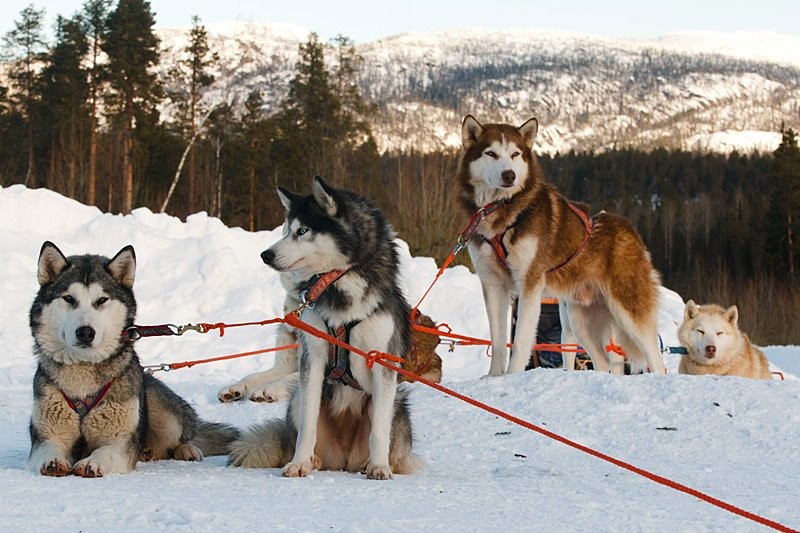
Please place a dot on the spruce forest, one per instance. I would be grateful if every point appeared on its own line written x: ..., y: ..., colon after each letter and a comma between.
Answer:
x: 83, y: 116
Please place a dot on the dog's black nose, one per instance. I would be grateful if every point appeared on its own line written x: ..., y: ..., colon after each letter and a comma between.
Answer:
x: 85, y: 335
x: 711, y: 351
x: 508, y: 177
x: 268, y: 256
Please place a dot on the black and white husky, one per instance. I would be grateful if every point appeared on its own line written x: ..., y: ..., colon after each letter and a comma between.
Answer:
x: 342, y: 415
x: 95, y: 411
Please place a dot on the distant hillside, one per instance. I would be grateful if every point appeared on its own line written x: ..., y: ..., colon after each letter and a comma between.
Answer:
x: 697, y: 91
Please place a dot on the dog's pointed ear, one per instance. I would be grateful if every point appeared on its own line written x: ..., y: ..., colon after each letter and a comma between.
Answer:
x: 691, y: 310
x: 471, y: 131
x: 51, y: 263
x: 732, y: 315
x: 122, y: 267
x: 528, y: 131
x: 287, y: 198
x: 324, y: 197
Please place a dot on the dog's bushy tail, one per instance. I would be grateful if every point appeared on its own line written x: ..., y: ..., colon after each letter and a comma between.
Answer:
x: 266, y: 445
x: 214, y: 438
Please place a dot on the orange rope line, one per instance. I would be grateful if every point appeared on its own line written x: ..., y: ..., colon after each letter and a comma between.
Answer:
x: 384, y: 360
x: 206, y: 327
x: 474, y: 341
x: 189, y: 364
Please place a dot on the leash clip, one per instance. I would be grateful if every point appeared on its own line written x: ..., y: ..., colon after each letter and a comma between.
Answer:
x: 152, y: 369
x: 132, y: 334
x: 180, y: 330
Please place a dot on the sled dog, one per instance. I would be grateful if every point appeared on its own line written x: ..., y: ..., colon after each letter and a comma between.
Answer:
x: 715, y: 345
x: 530, y: 239
x: 95, y: 411
x: 338, y: 251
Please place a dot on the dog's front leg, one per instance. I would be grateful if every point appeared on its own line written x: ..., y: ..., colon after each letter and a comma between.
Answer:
x: 529, y: 308
x: 312, y: 372
x: 567, y: 336
x: 117, y: 457
x: 54, y: 431
x: 384, y: 390
x: 497, y: 301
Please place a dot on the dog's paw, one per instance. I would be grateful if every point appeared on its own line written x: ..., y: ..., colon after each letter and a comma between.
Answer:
x: 378, y: 472
x: 234, y: 393
x: 296, y: 470
x: 55, y: 468
x: 146, y: 455
x: 187, y: 452
x: 88, y: 468
x: 302, y: 469
x: 269, y: 394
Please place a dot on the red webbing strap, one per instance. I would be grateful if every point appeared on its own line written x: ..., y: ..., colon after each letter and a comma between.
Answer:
x: 189, y: 364
x: 386, y: 360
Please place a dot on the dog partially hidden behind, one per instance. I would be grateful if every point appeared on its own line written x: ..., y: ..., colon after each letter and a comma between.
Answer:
x: 530, y: 239
x: 95, y: 411
x: 339, y: 254
x: 277, y: 383
x: 715, y: 345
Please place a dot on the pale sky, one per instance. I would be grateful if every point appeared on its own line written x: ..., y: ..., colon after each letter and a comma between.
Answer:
x: 366, y: 21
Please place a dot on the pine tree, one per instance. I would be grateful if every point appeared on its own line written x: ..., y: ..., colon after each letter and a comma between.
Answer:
x: 132, y: 50
x: 190, y: 76
x: 95, y: 13
x: 353, y: 110
x: 317, y: 133
x: 784, y: 220
x: 252, y: 122
x: 64, y: 95
x: 25, y: 45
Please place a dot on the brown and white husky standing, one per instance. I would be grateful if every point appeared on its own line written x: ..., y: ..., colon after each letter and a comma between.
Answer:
x: 530, y: 238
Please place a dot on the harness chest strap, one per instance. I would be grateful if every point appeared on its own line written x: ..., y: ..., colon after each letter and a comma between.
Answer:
x: 338, y: 367
x: 82, y: 406
x: 501, y: 252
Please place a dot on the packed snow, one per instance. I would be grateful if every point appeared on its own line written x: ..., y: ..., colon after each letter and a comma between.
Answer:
x: 732, y: 438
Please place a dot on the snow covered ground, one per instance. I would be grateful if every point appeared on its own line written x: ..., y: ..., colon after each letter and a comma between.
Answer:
x: 734, y: 439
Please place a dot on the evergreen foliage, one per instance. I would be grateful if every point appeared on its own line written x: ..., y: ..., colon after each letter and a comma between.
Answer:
x: 132, y: 50
x: 784, y: 209
x: 719, y: 227
x: 25, y: 46
x: 190, y: 76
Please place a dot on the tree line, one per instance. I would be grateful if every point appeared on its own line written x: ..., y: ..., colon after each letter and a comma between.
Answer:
x: 81, y: 117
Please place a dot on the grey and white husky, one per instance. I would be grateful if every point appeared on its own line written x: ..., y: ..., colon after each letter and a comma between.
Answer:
x: 342, y: 415
x: 95, y: 411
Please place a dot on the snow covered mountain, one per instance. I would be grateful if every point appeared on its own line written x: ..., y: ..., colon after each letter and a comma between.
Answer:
x: 699, y: 91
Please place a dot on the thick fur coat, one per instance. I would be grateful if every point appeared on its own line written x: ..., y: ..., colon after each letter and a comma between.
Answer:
x: 715, y: 345
x: 95, y: 411
x: 598, y: 268
x: 329, y: 424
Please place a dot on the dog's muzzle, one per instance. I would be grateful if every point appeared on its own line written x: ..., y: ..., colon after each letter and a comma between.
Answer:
x: 268, y: 256
x: 507, y: 178
x: 85, y: 336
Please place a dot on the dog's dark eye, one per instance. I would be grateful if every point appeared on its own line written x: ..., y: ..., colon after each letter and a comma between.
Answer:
x: 515, y: 155
x: 69, y: 299
x: 701, y: 332
x: 302, y: 231
x: 100, y: 301
x: 720, y: 333
x: 491, y: 153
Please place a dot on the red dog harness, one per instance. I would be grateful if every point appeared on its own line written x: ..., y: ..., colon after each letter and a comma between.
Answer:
x: 82, y: 406
x: 501, y: 252
x: 338, y: 367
